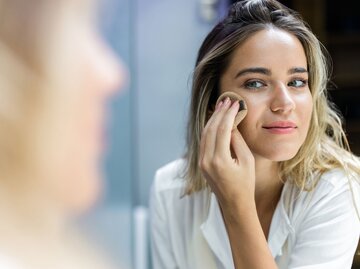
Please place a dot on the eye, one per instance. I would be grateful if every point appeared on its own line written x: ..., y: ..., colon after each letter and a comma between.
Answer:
x: 298, y: 83
x: 254, y: 84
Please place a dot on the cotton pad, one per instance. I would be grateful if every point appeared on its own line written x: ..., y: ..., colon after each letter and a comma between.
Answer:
x: 242, y: 108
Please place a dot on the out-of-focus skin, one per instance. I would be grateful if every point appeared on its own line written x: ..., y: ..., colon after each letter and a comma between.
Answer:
x: 270, y: 71
x: 90, y: 74
x: 60, y: 74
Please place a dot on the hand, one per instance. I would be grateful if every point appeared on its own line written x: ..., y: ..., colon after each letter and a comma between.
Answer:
x: 225, y: 159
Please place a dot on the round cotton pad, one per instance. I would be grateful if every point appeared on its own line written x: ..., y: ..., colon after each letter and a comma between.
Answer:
x: 242, y: 109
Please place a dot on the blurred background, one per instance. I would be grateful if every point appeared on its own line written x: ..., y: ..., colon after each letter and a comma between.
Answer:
x: 158, y: 40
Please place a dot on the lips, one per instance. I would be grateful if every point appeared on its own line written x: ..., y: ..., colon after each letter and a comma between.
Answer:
x: 280, y: 124
x: 281, y: 127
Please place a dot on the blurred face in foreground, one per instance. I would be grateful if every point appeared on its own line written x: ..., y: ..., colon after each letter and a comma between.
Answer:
x: 86, y: 74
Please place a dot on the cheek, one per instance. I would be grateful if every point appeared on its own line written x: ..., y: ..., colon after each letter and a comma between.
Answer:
x: 304, y: 111
x: 256, y: 108
x: 248, y: 126
x: 271, y: 147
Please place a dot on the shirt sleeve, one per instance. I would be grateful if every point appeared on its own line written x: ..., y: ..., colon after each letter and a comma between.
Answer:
x: 161, y: 250
x: 328, y: 235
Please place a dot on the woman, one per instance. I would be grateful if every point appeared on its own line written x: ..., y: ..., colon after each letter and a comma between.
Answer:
x: 55, y: 76
x: 279, y: 191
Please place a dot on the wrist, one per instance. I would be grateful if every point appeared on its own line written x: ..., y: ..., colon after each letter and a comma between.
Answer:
x: 239, y: 207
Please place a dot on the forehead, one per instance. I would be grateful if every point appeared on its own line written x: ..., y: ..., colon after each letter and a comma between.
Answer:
x: 271, y: 48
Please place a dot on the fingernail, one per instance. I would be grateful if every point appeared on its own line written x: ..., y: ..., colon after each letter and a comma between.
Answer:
x: 242, y: 105
x: 219, y: 105
x: 227, y: 100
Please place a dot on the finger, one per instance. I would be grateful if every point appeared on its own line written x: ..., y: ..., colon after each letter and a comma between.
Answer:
x: 203, y: 147
x: 223, y: 136
x: 235, y: 97
x: 214, y: 113
x: 211, y: 129
x: 239, y: 146
x: 232, y: 95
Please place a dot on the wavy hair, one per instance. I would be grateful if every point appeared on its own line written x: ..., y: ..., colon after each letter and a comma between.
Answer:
x: 325, y: 146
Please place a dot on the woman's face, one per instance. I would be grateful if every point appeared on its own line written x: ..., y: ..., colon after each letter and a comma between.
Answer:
x: 89, y: 73
x: 270, y: 71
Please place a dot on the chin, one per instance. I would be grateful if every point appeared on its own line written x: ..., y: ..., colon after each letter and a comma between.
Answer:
x: 83, y: 206
x: 84, y: 195
x: 277, y: 155
x: 282, y: 158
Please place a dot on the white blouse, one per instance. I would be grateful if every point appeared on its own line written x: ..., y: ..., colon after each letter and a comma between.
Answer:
x: 318, y: 229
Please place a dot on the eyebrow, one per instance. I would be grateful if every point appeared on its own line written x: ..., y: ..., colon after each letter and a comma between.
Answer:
x: 265, y: 71
x: 297, y: 70
x: 258, y: 70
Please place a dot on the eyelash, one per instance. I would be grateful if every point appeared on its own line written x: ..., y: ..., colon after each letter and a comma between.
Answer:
x: 304, y: 83
x: 247, y: 84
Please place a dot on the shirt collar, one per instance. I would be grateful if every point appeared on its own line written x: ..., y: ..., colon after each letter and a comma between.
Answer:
x: 214, y: 230
x: 215, y: 234
x: 280, y: 226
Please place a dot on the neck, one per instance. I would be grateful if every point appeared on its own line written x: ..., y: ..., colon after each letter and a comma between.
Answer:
x: 268, y: 185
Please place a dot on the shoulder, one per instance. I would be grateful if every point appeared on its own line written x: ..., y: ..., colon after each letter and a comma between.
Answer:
x: 329, y: 183
x: 335, y: 177
x: 168, y: 193
x: 169, y: 177
x: 337, y: 182
x: 335, y: 194
x: 168, y: 185
x: 324, y: 222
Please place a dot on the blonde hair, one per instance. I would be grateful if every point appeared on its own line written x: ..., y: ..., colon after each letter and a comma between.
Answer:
x: 325, y: 146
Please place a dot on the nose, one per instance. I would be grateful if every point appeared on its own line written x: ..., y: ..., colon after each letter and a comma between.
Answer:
x: 111, y: 71
x: 282, y: 101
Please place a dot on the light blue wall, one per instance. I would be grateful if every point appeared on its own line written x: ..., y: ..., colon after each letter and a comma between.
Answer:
x: 158, y: 40
x: 168, y: 35
x: 111, y: 223
x: 117, y: 24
